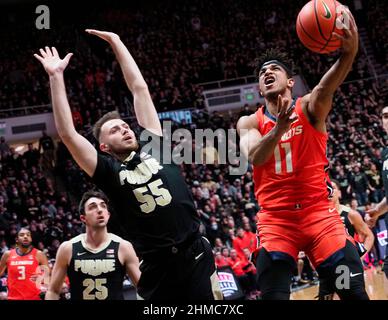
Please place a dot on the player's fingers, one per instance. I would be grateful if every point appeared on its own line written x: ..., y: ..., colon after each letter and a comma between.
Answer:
x: 55, y: 52
x: 290, y: 110
x: 285, y: 102
x: 335, y: 34
x: 353, y: 24
x: 43, y: 53
x: 67, y: 58
x: 94, y: 32
x: 37, y: 56
x: 279, y: 103
x: 48, y: 51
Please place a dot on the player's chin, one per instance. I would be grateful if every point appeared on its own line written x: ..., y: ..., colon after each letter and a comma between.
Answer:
x: 129, y: 145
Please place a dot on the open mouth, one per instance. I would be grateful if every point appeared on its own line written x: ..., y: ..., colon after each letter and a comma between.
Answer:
x: 269, y: 80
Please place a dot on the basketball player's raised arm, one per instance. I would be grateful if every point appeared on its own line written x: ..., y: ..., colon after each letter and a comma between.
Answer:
x: 259, y: 149
x: 145, y: 111
x: 321, y: 98
x: 130, y: 261
x: 59, y: 271
x: 80, y: 148
x: 365, y: 234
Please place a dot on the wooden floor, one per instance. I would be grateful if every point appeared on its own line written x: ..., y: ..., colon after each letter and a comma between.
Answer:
x: 374, y: 281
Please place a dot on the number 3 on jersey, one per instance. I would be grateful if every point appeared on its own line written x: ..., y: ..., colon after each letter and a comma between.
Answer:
x: 278, y: 158
x: 159, y: 196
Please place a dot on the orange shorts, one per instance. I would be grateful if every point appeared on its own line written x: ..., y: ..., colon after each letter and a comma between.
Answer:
x: 317, y: 230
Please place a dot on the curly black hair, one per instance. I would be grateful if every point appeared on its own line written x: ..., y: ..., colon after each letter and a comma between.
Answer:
x: 274, y: 54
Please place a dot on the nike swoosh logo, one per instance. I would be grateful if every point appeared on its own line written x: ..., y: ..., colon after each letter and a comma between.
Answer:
x: 354, y: 274
x: 198, y: 256
x: 327, y: 11
x: 331, y: 210
x: 80, y: 253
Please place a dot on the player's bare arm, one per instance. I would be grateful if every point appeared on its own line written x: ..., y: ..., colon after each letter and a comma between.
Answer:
x: 374, y: 213
x: 318, y: 103
x: 59, y: 271
x: 365, y: 234
x: 42, y: 258
x: 130, y: 260
x: 146, y: 114
x: 43, y: 261
x: 257, y: 148
x: 81, y: 149
x: 3, y: 262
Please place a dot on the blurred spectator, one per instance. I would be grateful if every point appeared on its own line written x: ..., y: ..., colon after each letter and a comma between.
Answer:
x: 4, y: 147
x: 46, y: 144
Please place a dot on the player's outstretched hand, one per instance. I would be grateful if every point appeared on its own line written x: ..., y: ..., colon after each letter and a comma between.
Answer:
x: 285, y: 115
x: 105, y: 35
x: 350, y: 37
x: 371, y: 217
x: 51, y: 61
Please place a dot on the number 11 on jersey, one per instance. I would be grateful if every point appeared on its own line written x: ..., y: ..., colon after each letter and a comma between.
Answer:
x: 278, y: 159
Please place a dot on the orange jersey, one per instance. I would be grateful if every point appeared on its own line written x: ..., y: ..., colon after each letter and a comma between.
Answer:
x: 295, y: 174
x: 20, y: 269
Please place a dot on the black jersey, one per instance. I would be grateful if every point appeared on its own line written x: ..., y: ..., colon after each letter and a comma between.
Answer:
x: 96, y: 274
x: 384, y: 170
x: 344, y: 213
x: 151, y: 199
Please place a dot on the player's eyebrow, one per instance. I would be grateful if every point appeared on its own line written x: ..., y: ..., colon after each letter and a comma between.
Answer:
x: 94, y: 203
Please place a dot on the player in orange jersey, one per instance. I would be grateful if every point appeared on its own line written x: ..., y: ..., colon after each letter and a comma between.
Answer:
x: 25, y: 266
x: 286, y: 140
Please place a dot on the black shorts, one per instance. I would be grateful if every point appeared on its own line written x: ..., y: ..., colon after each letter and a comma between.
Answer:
x: 185, y: 275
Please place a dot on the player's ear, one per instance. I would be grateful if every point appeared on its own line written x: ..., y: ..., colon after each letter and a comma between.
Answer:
x: 290, y: 82
x: 82, y: 218
x: 104, y: 147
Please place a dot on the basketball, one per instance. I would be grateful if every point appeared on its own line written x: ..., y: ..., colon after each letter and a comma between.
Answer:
x: 315, y: 24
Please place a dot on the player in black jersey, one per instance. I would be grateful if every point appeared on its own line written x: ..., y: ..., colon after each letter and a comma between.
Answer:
x: 353, y: 224
x: 353, y: 221
x: 153, y: 204
x: 95, y: 261
x: 382, y: 207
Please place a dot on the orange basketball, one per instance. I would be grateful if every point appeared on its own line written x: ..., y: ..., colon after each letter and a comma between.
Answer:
x: 315, y: 24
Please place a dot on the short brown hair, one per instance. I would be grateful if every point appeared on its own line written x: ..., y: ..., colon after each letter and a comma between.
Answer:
x: 90, y: 194
x: 105, y: 118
